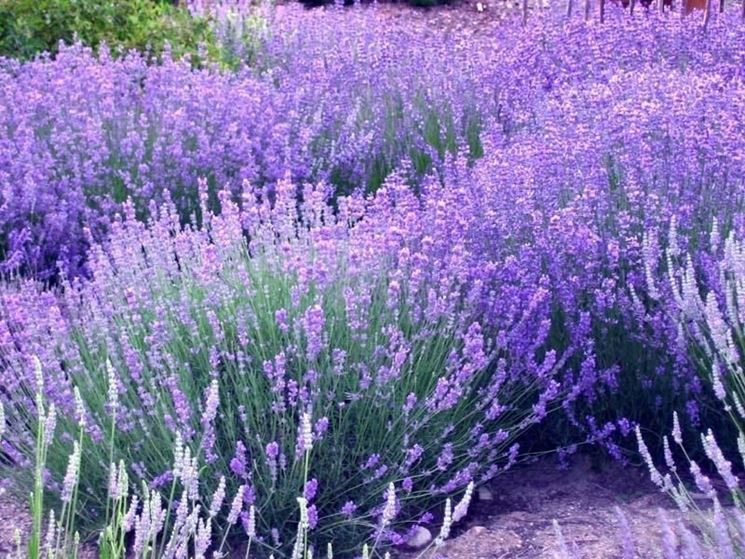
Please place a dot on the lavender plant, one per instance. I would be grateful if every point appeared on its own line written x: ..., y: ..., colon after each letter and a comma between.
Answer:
x: 709, y: 319
x: 585, y: 157
x: 332, y: 357
x: 145, y: 523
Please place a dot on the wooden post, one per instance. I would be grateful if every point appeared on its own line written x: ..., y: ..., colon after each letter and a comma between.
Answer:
x: 690, y: 5
x: 587, y: 10
x: 602, y: 11
x: 632, y: 3
x: 707, y: 14
x: 721, y: 6
x: 525, y: 11
x: 569, y: 8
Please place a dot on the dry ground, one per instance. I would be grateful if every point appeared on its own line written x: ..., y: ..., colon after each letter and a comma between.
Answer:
x: 518, y: 522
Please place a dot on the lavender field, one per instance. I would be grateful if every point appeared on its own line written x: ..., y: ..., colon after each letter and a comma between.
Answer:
x: 306, y: 296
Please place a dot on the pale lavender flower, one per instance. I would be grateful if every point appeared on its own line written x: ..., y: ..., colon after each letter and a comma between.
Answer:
x: 677, y: 434
x: 113, y: 389
x: 644, y: 451
x: 72, y: 475
x: 50, y: 424
x: 128, y: 522
x: 304, y: 435
x: 203, y: 538
x: 250, y: 526
x: 211, y: 403
x: 218, y: 498
x: 702, y: 482
x: 724, y: 466
x: 447, y: 522
x: 79, y: 408
x: 303, y: 506
x: 236, y: 506
x: 461, y: 509
x: 389, y: 510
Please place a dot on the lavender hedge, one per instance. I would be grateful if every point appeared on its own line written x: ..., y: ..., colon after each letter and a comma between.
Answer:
x: 342, y: 101
x: 222, y: 279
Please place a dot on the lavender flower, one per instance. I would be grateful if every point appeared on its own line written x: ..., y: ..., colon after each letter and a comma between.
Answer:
x: 72, y: 475
x: 304, y: 442
x: 389, y: 511
x: 218, y: 498
x: 236, y: 506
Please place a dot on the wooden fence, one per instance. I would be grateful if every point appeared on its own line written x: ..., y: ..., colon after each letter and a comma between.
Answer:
x: 687, y: 7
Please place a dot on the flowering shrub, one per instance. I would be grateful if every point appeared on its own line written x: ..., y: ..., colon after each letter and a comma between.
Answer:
x: 29, y: 28
x: 584, y: 157
x: 87, y: 132
x: 147, y: 523
x: 337, y: 357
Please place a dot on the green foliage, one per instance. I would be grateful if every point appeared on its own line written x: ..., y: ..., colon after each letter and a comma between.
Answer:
x: 29, y: 27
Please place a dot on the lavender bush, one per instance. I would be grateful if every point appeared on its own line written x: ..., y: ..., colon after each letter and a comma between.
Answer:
x: 709, y: 318
x: 87, y: 131
x: 585, y: 156
x: 335, y: 357
x: 146, y: 524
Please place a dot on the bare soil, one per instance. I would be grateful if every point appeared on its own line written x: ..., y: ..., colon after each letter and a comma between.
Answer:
x: 518, y: 523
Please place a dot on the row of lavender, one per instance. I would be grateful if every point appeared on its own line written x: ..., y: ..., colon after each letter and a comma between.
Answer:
x: 299, y: 344
x: 340, y: 101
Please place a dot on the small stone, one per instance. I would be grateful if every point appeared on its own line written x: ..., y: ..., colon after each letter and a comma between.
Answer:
x: 420, y: 538
x: 476, y: 530
x: 485, y: 494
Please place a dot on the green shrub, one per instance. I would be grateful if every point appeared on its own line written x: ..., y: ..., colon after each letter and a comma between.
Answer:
x: 29, y: 27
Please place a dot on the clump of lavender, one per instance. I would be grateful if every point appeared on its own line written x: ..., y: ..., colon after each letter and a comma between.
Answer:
x: 143, y: 518
x: 377, y: 375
